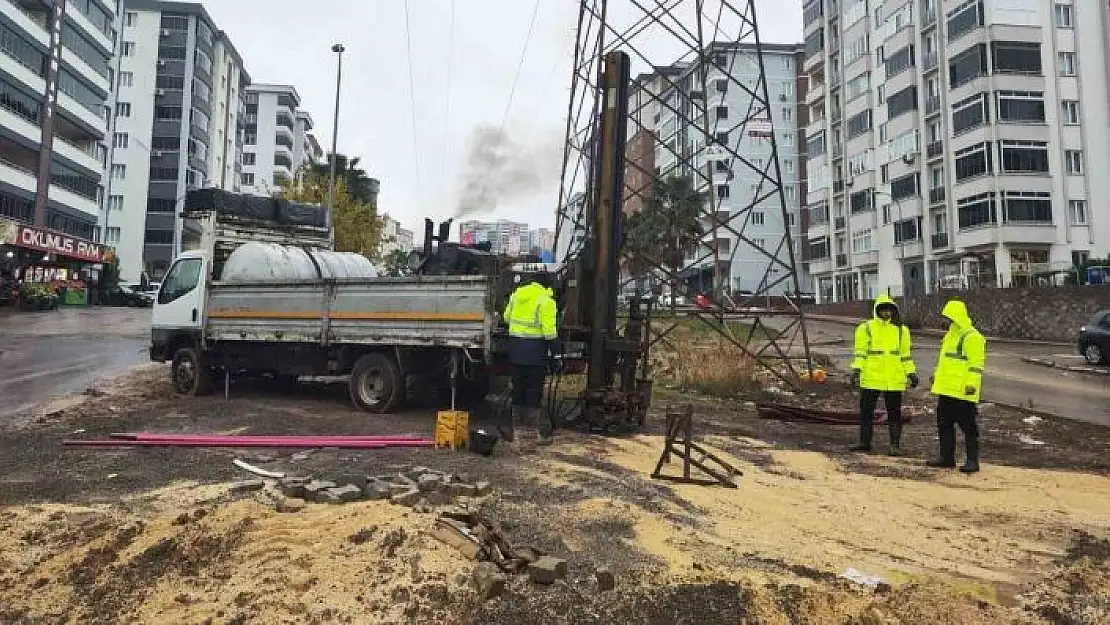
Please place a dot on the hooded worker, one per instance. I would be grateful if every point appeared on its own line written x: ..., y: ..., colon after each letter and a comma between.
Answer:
x: 533, y: 334
x: 882, y: 366
x: 958, y: 384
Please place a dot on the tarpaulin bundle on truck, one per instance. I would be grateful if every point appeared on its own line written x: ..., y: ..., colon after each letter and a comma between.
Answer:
x: 261, y: 208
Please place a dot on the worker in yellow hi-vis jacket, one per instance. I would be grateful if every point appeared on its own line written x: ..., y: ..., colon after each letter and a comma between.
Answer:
x: 882, y: 366
x: 531, y: 315
x: 958, y: 384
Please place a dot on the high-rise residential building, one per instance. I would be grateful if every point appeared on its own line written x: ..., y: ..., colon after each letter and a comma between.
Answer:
x: 305, y: 149
x: 542, y: 241
x: 954, y: 144
x: 56, y: 76
x: 570, y: 228
x: 175, y: 127
x: 683, y: 147
x: 394, y: 237
x: 504, y: 236
x: 276, y: 138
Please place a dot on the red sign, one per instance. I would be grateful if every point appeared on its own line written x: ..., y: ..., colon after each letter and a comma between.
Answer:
x: 60, y: 244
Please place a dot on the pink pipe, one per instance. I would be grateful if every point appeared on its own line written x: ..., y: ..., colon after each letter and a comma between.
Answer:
x: 288, y: 442
x: 306, y: 440
x: 354, y: 437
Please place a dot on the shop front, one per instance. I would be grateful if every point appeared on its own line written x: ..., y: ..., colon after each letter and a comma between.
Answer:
x: 43, y: 269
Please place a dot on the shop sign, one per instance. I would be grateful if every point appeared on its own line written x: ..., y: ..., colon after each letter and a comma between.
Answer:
x: 50, y: 242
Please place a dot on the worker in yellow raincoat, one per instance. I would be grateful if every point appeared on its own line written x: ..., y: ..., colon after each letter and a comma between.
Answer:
x: 531, y: 315
x: 958, y: 385
x: 882, y: 366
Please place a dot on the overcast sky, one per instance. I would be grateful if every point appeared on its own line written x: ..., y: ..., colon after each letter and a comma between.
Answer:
x: 289, y: 42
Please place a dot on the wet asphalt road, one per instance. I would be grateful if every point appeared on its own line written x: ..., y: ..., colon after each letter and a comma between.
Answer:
x: 1008, y: 380
x: 44, y: 355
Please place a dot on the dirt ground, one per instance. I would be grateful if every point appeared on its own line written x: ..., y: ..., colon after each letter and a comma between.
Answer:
x: 155, y: 536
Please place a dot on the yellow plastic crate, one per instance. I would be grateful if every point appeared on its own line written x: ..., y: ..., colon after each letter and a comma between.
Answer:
x: 452, y: 429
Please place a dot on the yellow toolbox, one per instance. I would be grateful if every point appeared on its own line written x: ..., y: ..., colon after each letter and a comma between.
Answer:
x: 452, y: 429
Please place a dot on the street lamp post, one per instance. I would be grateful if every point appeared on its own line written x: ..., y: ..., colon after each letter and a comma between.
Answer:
x: 338, y: 50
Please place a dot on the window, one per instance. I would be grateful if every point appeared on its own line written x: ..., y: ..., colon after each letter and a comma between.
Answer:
x: 905, y: 186
x: 859, y: 163
x: 970, y: 113
x: 1062, y: 15
x: 973, y: 161
x: 160, y: 205
x: 248, y: 179
x: 906, y: 231
x: 249, y: 159
x: 940, y: 223
x: 859, y: 124
x: 128, y: 48
x: 857, y: 50
x: 1077, y: 212
x: 202, y: 62
x: 819, y: 248
x: 862, y: 241
x: 862, y: 202
x: 130, y: 18
x: 758, y: 218
x: 788, y: 165
x: 787, y: 114
x: 1071, y: 112
x: 182, y: 278
x: 1027, y: 207
x: 169, y: 82
x: 120, y: 140
x: 968, y: 66
x: 163, y: 174
x: 786, y: 139
x: 902, y: 102
x: 1024, y: 156
x: 977, y: 210
x: 167, y: 112
x: 1014, y: 57
x: 722, y: 192
x: 722, y: 138
x: 115, y: 202
x: 1020, y: 106
x: 936, y: 177
x: 812, y: 11
x: 722, y: 112
x: 858, y: 86
x: 201, y: 90
x: 1073, y: 161
x: 899, y: 61
x: 1066, y: 62
x: 721, y: 85
x: 902, y: 145
x: 123, y: 109
x: 175, y: 21
x: 964, y: 19
x: 119, y: 172
x: 171, y: 144
x: 250, y: 138
x: 815, y: 145
x: 111, y: 235
x: 815, y: 43
x: 126, y: 79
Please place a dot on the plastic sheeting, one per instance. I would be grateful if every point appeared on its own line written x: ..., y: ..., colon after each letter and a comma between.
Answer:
x: 263, y: 262
x: 276, y: 210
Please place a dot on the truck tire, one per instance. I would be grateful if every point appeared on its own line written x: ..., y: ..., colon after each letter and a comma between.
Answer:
x: 376, y: 383
x: 190, y: 375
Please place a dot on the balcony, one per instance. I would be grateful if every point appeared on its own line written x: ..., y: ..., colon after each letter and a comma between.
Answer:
x: 28, y: 130
x: 83, y: 156
x: 939, y: 240
x: 932, y: 104
x: 93, y: 120
x: 934, y: 150
x: 928, y: 16
x: 929, y: 62
x: 937, y: 195
x: 84, y: 23
x: 838, y: 151
x: 18, y: 177
x: 815, y: 94
x: 84, y: 70
x: 33, y: 23
x: 838, y: 186
x: 840, y: 224
x: 865, y: 259
x: 841, y: 261
x: 820, y: 265
x: 284, y: 131
x: 74, y: 200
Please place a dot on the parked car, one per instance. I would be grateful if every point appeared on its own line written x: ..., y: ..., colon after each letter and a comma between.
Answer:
x: 1094, y: 339
x: 124, y: 295
x: 703, y: 302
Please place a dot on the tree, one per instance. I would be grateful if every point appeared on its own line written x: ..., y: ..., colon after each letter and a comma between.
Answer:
x: 667, y: 225
x: 395, y: 263
x: 360, y: 185
x: 358, y: 228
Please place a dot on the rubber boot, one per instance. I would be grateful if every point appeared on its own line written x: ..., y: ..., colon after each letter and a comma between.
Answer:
x: 866, y: 431
x: 507, y: 428
x: 543, y: 427
x: 971, y: 465
x: 896, y: 440
x: 947, y: 458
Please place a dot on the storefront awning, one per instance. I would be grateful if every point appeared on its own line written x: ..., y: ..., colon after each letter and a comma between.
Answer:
x: 52, y: 242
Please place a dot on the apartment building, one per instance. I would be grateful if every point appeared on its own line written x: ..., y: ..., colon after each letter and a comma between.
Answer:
x: 55, y: 77
x: 672, y: 105
x: 505, y: 236
x: 276, y: 137
x: 954, y: 143
x: 176, y: 126
x: 306, y: 149
x: 394, y: 237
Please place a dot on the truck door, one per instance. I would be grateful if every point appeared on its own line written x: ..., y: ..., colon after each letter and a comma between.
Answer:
x: 181, y: 298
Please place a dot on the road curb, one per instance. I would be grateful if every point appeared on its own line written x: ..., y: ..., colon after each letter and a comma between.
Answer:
x: 939, y: 333
x: 1051, y: 364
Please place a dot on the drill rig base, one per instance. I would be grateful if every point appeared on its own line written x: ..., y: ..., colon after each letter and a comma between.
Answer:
x: 679, y: 441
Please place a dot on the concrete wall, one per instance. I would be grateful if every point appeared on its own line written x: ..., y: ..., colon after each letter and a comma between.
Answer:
x: 1038, y: 314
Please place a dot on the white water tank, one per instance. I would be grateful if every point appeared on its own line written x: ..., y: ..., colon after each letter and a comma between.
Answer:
x: 262, y: 262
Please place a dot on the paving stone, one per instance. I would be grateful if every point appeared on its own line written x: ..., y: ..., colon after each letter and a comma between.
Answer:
x: 350, y: 492
x: 429, y: 482
x: 489, y: 580
x: 246, y: 486
x: 289, y: 504
x: 547, y: 570
x: 483, y: 488
x: 315, y: 487
x: 376, y: 491
x: 416, y: 472
x: 605, y: 579
x: 396, y: 489
x: 401, y: 478
x: 352, y: 479
x: 463, y: 490
x: 407, y: 498
x: 293, y: 486
x: 327, y: 496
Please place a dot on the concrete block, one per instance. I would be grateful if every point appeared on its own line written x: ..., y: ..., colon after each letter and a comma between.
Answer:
x: 359, y: 481
x: 246, y: 486
x: 396, y: 489
x: 429, y: 482
x: 294, y: 486
x: 288, y: 504
x: 605, y: 579
x: 489, y: 580
x: 415, y: 473
x: 401, y: 478
x: 376, y: 491
x: 462, y: 490
x: 483, y: 488
x: 313, y: 489
x: 350, y: 492
x: 407, y: 498
x: 547, y: 570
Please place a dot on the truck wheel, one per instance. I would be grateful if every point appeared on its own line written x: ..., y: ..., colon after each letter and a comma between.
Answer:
x: 376, y: 383
x: 190, y: 375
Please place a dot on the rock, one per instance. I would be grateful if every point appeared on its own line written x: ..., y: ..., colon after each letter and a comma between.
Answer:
x: 438, y: 498
x: 547, y: 570
x: 288, y: 504
x: 462, y: 490
x: 407, y: 498
x: 396, y: 489
x: 401, y: 478
x: 460, y: 477
x: 343, y: 494
x: 359, y: 481
x: 416, y: 473
x: 605, y: 579
x: 986, y: 408
x: 293, y: 486
x: 376, y: 491
x: 422, y: 508
x: 483, y: 488
x: 429, y: 482
x: 489, y: 580
x: 313, y: 489
x: 246, y: 486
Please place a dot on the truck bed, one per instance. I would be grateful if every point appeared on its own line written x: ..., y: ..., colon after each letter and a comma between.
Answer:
x: 423, y: 311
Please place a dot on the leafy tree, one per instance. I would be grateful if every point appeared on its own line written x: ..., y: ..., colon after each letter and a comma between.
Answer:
x: 358, y: 228
x: 395, y: 263
x: 667, y: 225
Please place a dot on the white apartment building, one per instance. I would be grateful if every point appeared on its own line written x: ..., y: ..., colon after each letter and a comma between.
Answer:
x: 275, y: 137
x: 570, y: 228
x: 736, y: 186
x: 954, y: 143
x: 56, y: 75
x: 505, y: 236
x: 175, y: 127
x: 394, y: 237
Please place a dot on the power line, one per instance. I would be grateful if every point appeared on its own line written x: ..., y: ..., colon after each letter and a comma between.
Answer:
x: 520, y: 64
x: 412, y: 100
x: 447, y: 103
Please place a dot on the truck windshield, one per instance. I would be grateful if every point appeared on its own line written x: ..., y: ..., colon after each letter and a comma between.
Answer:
x: 182, y: 278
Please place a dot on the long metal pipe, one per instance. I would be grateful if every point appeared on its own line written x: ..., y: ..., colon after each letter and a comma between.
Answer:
x: 290, y: 442
x: 150, y: 436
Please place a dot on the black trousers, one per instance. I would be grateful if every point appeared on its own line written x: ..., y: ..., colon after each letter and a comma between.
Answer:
x: 950, y: 413
x: 528, y: 385
x: 868, y: 400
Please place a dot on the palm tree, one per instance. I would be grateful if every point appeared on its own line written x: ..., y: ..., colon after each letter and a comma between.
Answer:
x: 359, y: 184
x: 668, y: 225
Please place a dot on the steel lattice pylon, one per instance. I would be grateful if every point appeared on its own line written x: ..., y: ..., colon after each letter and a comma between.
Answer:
x: 678, y: 47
